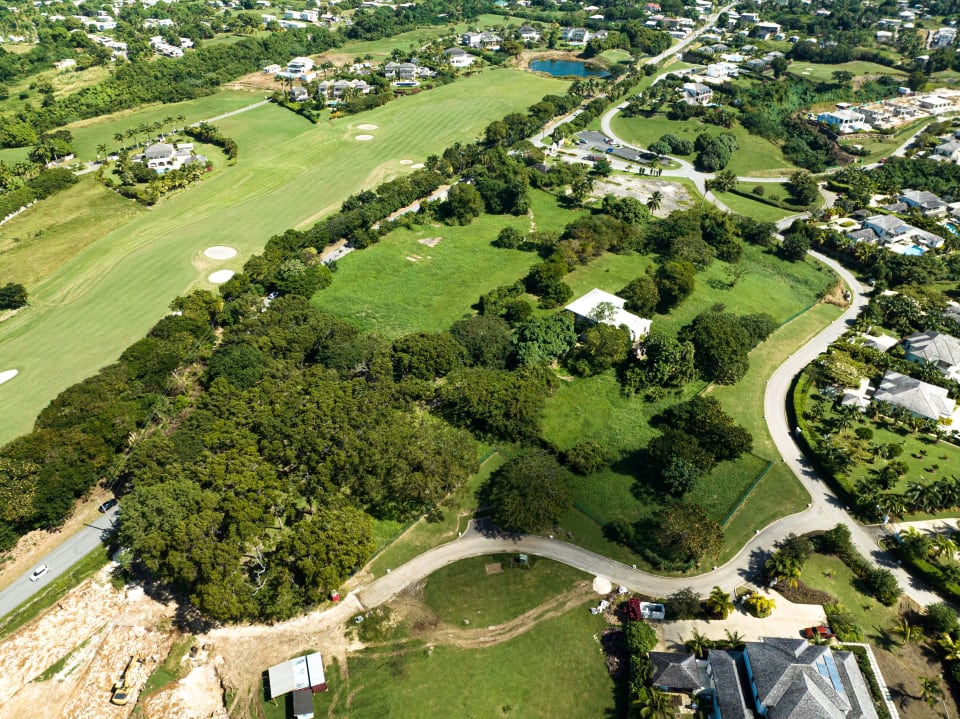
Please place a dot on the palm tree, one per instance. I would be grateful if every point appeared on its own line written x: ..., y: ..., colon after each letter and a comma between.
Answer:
x: 655, y: 201
x: 655, y: 704
x: 719, y: 603
x: 101, y: 150
x: 119, y: 137
x: 734, y: 639
x: 698, y: 644
x: 950, y: 647
x: 931, y: 692
x: 904, y: 628
x: 784, y: 569
x: 942, y: 544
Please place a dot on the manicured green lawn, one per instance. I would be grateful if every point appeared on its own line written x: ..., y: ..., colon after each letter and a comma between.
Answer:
x: 401, y: 285
x: 290, y: 173
x: 753, y: 208
x: 496, y: 598
x: 89, y: 134
x: 554, y: 670
x: 829, y: 574
x: 926, y: 461
x: 824, y: 73
x: 756, y: 155
x: 36, y: 242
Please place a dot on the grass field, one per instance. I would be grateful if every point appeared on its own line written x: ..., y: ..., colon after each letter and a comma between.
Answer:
x: 829, y: 574
x: 622, y: 422
x: 412, y: 289
x: 88, y: 134
x: 64, y: 82
x: 554, y: 670
x: 289, y: 173
x: 37, y: 242
x: 756, y: 155
x: 824, y: 73
x: 495, y: 598
x: 754, y: 208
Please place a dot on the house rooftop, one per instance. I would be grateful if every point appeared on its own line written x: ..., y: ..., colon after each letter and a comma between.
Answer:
x: 586, y: 306
x: 936, y: 347
x: 920, y: 398
x: 675, y: 670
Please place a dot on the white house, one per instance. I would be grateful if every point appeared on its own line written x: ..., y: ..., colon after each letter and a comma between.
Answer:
x: 458, y: 58
x: 65, y: 63
x: 528, y: 34
x: 936, y: 348
x: 949, y: 151
x: 163, y: 157
x: 844, y: 121
x: 696, y: 93
x: 271, y: 69
x: 486, y: 40
x: 599, y: 306
x: 944, y: 37
x: 721, y: 70
x: 918, y: 398
x: 934, y: 104
x: 928, y: 203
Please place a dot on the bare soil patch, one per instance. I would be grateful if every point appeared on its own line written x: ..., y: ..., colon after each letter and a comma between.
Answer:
x: 674, y: 196
x: 802, y: 594
x: 494, y: 568
x: 836, y: 296
x: 430, y: 241
x: 197, y: 696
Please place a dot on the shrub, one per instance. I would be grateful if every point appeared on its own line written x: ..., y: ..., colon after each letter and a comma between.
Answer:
x: 883, y: 585
x: 760, y: 606
x: 587, y: 457
x: 758, y: 190
x: 864, y: 433
x: 940, y: 618
x: 843, y: 623
x: 641, y: 637
x: 684, y: 604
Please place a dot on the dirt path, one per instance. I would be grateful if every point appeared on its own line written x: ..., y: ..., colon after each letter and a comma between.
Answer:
x: 432, y: 631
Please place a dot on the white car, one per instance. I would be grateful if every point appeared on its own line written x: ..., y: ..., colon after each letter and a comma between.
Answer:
x: 39, y: 572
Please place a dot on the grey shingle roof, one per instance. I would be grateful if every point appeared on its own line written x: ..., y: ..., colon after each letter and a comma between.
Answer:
x: 936, y: 347
x: 921, y: 398
x: 729, y: 689
x: 675, y: 670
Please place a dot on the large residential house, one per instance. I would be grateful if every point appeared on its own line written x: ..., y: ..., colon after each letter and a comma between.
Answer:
x: 163, y: 157
x: 844, y: 121
x: 458, y: 58
x: 576, y: 35
x: 919, y: 398
x: 928, y: 203
x: 948, y: 151
x: 528, y: 34
x: 944, y: 37
x: 696, y: 93
x: 406, y: 72
x: 599, y: 306
x: 776, y: 678
x: 765, y: 30
x: 721, y: 70
x: 485, y: 40
x: 936, y: 348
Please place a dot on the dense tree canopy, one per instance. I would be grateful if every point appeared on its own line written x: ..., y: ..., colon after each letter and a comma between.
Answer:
x: 529, y: 492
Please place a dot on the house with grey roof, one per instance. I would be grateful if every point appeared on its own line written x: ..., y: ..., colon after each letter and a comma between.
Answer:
x: 887, y: 227
x: 676, y: 672
x: 948, y: 151
x: 936, y: 348
x: 919, y: 398
x: 776, y: 678
x: 928, y: 203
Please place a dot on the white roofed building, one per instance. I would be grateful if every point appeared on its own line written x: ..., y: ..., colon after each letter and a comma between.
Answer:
x: 599, y: 306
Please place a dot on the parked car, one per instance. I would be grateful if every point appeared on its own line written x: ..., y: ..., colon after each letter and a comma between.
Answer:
x: 820, y: 632
x: 39, y: 572
x: 108, y: 505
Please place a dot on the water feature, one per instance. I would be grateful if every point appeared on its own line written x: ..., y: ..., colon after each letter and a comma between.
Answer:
x: 567, y: 68
x: 914, y: 251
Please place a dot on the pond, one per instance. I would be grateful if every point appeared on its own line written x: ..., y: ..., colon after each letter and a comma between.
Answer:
x: 567, y: 68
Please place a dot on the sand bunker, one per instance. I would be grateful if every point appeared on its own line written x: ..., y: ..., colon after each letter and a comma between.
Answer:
x: 220, y: 252
x: 366, y: 127
x: 406, y: 162
x: 220, y: 276
x: 418, y: 166
x: 8, y: 375
x: 602, y: 586
x: 363, y: 138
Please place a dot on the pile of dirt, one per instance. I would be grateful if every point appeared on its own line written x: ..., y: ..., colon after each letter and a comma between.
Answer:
x: 197, y: 696
x: 802, y: 594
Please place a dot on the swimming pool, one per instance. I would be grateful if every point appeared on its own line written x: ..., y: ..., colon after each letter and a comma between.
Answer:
x: 914, y: 251
x: 953, y: 228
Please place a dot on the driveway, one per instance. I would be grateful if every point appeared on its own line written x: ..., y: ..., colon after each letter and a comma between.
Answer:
x: 788, y: 620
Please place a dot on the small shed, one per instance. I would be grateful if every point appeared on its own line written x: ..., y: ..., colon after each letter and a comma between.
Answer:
x: 296, y: 674
x: 303, y: 704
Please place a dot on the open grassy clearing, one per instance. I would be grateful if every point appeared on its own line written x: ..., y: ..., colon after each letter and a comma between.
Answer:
x: 554, y: 670
x: 622, y: 422
x: 89, y: 134
x: 496, y: 598
x: 829, y: 574
x: 754, y: 208
x: 290, y: 173
x: 64, y: 82
x: 756, y: 155
x: 35, y: 243
x: 413, y: 280
x: 821, y: 72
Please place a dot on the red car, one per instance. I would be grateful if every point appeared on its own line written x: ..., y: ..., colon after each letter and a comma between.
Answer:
x: 821, y: 632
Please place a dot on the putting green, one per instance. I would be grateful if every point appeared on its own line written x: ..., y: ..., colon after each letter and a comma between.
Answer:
x: 290, y: 173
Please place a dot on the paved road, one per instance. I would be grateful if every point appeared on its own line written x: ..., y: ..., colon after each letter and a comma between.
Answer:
x: 59, y: 560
